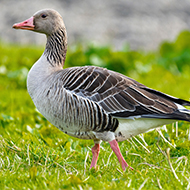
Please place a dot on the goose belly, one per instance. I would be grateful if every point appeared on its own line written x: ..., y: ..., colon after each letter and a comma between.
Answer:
x: 61, y: 118
x: 131, y: 127
x: 63, y: 110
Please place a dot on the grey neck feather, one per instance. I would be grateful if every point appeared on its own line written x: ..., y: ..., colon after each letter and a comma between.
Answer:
x: 56, y: 47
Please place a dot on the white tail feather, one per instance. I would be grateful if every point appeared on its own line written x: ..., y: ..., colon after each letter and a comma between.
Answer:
x: 182, y: 109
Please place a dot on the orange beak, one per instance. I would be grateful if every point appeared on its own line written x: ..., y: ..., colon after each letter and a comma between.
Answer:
x: 26, y: 25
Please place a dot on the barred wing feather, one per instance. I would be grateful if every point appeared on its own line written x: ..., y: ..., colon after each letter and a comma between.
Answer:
x: 119, y: 95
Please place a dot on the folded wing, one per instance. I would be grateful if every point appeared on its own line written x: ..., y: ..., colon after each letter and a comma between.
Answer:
x: 121, y: 96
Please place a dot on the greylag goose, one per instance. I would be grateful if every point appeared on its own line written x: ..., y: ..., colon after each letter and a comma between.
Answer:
x: 92, y: 102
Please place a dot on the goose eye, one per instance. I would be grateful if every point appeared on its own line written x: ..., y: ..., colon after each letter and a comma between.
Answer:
x: 43, y: 16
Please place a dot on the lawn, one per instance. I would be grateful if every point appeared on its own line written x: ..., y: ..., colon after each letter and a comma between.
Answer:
x: 36, y: 155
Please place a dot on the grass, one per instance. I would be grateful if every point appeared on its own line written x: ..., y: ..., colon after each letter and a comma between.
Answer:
x: 36, y: 155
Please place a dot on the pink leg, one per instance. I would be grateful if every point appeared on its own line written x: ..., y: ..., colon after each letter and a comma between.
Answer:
x: 95, y: 152
x: 115, y: 148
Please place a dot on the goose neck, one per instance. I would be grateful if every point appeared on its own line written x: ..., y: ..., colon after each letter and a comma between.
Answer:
x: 56, y: 48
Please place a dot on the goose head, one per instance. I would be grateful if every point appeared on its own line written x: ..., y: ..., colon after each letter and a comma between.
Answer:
x: 46, y: 21
x: 49, y: 22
